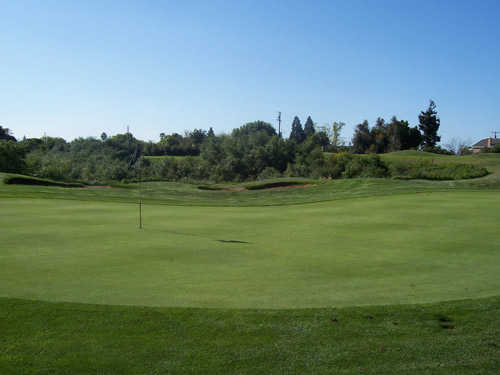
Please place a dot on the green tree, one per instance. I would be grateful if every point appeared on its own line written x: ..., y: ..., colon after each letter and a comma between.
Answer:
x: 429, y: 125
x: 333, y: 133
x: 309, y: 127
x: 414, y: 139
x: 402, y: 136
x: 321, y: 139
x: 297, y: 135
x: 380, y: 137
x: 362, y: 139
x: 336, y: 131
x: 327, y: 130
x: 255, y: 127
x: 12, y: 157
x: 5, y: 135
x: 198, y: 135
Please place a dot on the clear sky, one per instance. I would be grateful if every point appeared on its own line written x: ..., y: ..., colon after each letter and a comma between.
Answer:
x: 78, y: 68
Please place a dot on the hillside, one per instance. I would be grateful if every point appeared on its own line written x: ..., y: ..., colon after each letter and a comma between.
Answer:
x: 174, y: 193
x: 363, y: 275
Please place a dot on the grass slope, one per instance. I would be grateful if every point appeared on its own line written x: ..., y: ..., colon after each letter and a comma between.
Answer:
x: 391, y: 246
x: 60, y: 338
x: 384, y: 250
x: 171, y: 193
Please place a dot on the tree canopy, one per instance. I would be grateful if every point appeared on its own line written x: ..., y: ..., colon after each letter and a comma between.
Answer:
x: 253, y: 150
x: 5, y: 135
x: 429, y: 125
x: 309, y: 127
x: 297, y: 134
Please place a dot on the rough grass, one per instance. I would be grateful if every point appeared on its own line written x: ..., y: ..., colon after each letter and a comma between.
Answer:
x: 429, y: 170
x: 455, y: 338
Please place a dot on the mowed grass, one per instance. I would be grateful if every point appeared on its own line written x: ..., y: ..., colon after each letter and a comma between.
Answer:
x: 460, y: 337
x: 183, y: 194
x: 254, y: 282
x: 380, y: 250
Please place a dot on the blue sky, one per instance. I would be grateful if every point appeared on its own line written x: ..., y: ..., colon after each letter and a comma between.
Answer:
x: 78, y: 68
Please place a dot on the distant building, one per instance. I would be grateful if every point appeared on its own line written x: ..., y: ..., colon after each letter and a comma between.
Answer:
x: 487, y: 142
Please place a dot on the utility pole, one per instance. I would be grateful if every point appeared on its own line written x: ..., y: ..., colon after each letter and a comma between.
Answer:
x: 495, y: 132
x: 279, y: 124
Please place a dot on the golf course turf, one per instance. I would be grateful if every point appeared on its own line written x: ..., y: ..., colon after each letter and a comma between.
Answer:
x: 460, y: 337
x: 372, y: 276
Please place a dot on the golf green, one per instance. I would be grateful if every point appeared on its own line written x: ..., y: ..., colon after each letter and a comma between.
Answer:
x: 378, y: 250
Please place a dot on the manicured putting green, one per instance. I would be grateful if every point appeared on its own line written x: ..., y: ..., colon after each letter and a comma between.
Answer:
x: 378, y: 250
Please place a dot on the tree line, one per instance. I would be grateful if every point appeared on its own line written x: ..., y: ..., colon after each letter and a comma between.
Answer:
x: 252, y: 151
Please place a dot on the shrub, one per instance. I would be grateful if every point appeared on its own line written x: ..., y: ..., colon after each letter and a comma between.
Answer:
x: 28, y: 180
x: 438, y: 150
x: 428, y: 170
x: 269, y: 172
x: 351, y: 166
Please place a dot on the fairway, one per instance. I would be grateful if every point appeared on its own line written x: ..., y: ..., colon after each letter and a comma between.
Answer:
x: 249, y: 188
x: 397, y: 249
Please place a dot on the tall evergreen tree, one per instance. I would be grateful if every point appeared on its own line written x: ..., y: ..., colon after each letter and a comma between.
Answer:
x: 309, y: 127
x: 429, y: 125
x: 362, y: 139
x: 297, y: 133
x: 414, y: 138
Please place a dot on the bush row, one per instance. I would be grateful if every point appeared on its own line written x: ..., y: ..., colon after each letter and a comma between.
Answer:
x: 28, y: 180
x: 429, y: 170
